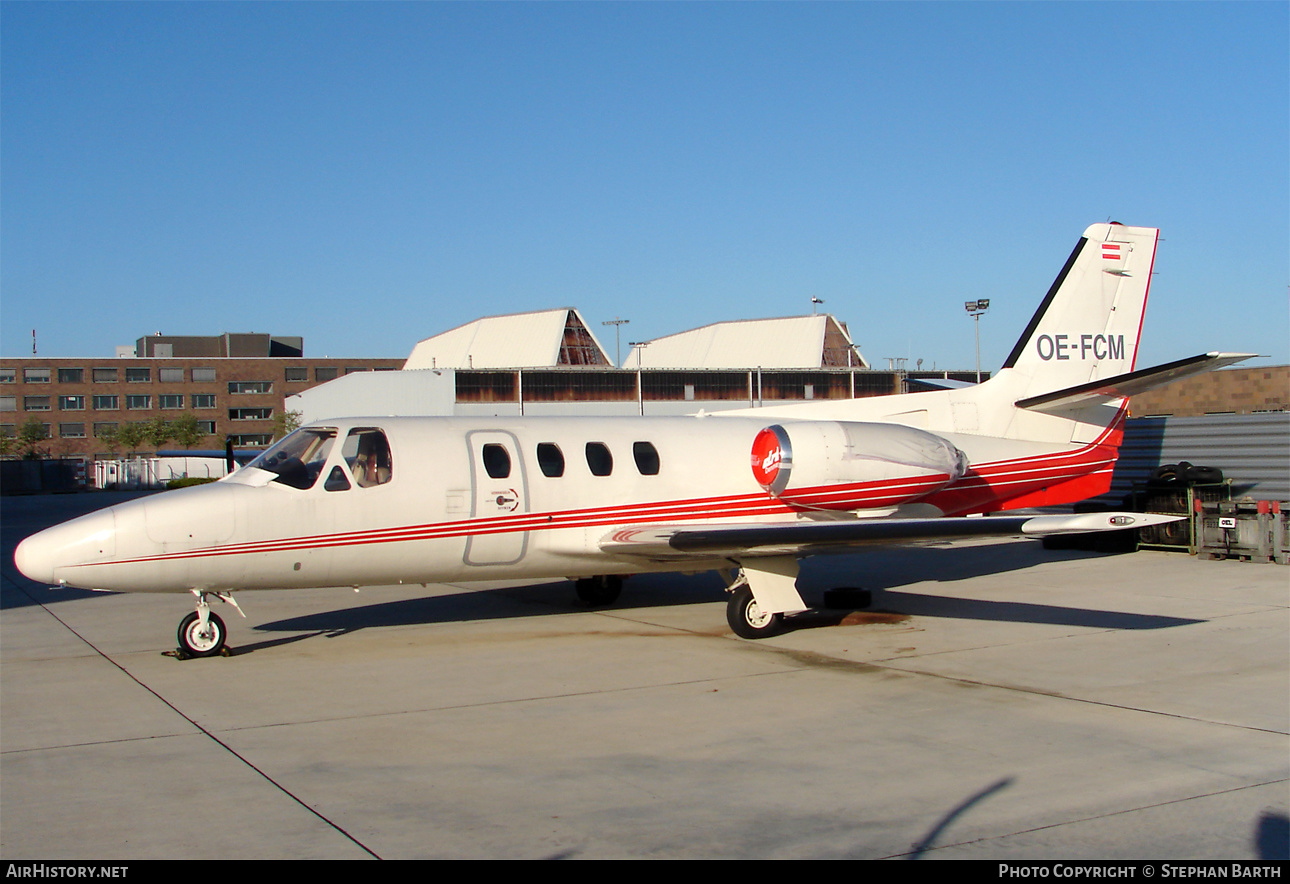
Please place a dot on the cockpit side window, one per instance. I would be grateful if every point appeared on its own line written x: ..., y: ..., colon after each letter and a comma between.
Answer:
x: 367, y: 453
x: 298, y: 459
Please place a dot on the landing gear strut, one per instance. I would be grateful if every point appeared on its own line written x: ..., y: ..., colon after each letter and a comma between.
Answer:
x: 202, y: 633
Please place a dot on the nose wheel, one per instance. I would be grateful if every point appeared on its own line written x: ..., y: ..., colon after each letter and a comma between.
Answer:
x: 197, y: 639
x: 202, y: 633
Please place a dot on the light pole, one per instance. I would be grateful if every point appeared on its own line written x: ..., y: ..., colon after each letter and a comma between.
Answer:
x: 617, y: 324
x: 640, y: 379
x: 975, y: 309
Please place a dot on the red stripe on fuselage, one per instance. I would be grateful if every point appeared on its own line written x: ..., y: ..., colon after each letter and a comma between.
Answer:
x: 984, y: 488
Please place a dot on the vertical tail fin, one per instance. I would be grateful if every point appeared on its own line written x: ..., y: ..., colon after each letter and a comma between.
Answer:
x: 1089, y: 323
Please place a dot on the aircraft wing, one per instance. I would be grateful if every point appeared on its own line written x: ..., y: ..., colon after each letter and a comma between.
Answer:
x: 663, y: 543
x: 1130, y: 384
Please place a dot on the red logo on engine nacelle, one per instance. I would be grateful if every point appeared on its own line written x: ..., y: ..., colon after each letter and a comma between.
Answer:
x: 772, y: 459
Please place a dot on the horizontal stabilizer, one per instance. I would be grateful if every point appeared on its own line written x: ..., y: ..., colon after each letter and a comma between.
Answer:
x: 677, y: 543
x: 1123, y: 385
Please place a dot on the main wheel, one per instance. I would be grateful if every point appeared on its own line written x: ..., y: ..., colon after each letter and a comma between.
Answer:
x: 196, y: 643
x: 747, y: 618
x: 599, y: 590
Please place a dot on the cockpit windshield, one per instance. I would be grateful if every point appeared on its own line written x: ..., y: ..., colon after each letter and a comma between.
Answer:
x: 298, y: 459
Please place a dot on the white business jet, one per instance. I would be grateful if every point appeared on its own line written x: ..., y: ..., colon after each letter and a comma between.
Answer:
x: 376, y: 501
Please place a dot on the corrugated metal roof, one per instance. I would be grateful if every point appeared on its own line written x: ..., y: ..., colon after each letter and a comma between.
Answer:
x: 516, y: 340
x: 787, y: 342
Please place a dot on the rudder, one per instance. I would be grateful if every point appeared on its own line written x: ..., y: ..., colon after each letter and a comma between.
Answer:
x: 1088, y: 325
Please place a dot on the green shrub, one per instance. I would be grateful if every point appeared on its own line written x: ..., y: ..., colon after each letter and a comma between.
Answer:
x: 184, y: 483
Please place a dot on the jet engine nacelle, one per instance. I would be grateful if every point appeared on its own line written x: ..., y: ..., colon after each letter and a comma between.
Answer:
x: 840, y: 465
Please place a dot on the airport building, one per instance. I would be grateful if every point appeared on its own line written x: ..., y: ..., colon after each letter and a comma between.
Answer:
x: 241, y: 387
x: 234, y: 385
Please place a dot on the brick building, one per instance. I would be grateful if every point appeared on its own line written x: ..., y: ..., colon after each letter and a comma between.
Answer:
x: 1231, y: 391
x: 239, y: 397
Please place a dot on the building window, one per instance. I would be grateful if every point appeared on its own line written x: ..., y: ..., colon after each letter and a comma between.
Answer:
x: 8, y: 403
x: 101, y: 427
x: 35, y: 403
x: 138, y: 375
x: 203, y: 375
x: 170, y: 375
x: 138, y: 402
x: 36, y: 375
x: 8, y: 375
x: 326, y: 374
x: 351, y: 369
x: 8, y: 430
x: 203, y: 400
x: 71, y: 431
x: 207, y: 427
x: 71, y: 403
x: 105, y: 375
x: 251, y: 440
x: 551, y: 459
x: 250, y: 386
x: 599, y: 460
x: 250, y: 414
x: 106, y: 403
x: 298, y: 374
x: 71, y: 375
x: 171, y: 400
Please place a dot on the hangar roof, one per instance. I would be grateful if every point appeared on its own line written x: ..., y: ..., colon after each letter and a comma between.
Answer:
x: 517, y: 340
x: 816, y: 341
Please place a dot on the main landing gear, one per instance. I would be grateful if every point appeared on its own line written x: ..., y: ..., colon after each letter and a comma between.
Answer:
x: 761, y: 614
x: 202, y: 633
x: 747, y: 618
x: 599, y: 591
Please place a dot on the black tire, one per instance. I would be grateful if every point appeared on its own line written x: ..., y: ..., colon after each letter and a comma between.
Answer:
x: 1204, y: 475
x: 599, y: 590
x: 195, y: 645
x: 747, y: 619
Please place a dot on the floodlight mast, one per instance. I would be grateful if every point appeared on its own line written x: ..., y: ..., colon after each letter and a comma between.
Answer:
x: 975, y: 309
x: 617, y: 324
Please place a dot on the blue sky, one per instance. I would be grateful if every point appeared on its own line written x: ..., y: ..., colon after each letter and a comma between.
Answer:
x: 366, y: 175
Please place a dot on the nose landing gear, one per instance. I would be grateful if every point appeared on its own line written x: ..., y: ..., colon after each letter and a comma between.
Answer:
x: 202, y: 633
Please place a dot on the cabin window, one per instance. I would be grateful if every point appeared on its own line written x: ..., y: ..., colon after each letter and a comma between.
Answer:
x: 336, y: 480
x: 298, y: 459
x: 646, y: 458
x: 550, y: 459
x: 497, y: 462
x: 599, y: 460
x: 367, y: 453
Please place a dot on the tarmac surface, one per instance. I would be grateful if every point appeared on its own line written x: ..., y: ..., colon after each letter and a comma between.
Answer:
x: 997, y: 701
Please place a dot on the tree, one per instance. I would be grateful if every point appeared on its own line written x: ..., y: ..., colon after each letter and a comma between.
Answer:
x: 158, y: 432
x: 186, y: 431
x: 285, y: 423
x: 30, y: 435
x: 109, y: 437
x: 131, y: 435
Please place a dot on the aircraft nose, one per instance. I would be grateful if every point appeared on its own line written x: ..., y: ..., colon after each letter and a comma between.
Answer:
x: 35, y: 557
x: 45, y: 554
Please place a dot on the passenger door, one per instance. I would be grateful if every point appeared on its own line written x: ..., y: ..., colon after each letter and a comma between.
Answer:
x: 499, y: 498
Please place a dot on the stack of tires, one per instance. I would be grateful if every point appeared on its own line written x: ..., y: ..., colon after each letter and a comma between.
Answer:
x: 1171, y: 489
